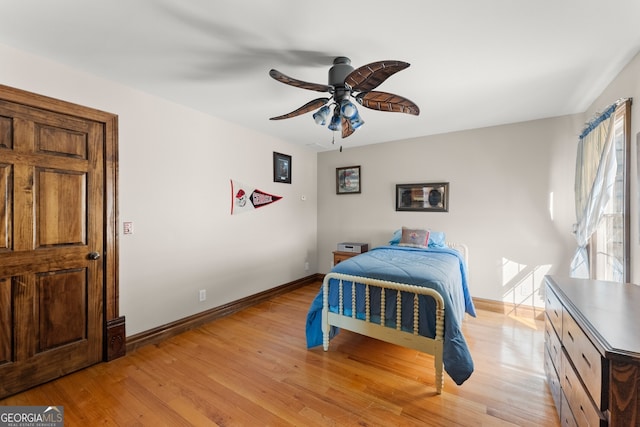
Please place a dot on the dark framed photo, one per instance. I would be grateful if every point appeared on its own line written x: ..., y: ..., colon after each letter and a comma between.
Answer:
x: 281, y: 168
x: 348, y: 180
x: 427, y: 197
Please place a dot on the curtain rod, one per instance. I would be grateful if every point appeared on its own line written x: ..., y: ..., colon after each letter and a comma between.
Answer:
x: 600, y: 117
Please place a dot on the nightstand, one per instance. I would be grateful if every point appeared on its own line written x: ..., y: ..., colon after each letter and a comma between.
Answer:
x: 339, y: 256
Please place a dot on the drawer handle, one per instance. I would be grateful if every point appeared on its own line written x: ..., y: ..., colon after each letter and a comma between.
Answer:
x: 586, y: 360
x: 570, y: 336
x: 568, y: 382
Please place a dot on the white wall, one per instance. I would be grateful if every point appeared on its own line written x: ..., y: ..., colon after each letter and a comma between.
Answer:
x: 175, y: 171
x: 501, y: 181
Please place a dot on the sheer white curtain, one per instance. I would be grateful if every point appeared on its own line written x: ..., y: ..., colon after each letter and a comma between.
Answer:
x: 596, y: 167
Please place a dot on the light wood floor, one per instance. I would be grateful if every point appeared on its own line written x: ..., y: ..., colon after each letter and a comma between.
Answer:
x: 253, y: 369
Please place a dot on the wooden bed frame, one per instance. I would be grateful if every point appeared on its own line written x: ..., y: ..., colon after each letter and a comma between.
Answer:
x: 433, y: 346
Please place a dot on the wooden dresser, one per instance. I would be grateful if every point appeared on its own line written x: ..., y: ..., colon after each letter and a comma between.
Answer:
x: 592, y: 351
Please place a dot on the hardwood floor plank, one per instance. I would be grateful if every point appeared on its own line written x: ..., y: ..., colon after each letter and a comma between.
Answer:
x: 253, y: 368
x: 184, y: 375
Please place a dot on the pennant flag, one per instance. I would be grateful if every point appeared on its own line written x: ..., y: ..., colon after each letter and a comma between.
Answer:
x: 245, y: 198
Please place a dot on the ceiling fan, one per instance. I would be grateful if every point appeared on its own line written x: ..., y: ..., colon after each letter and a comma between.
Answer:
x: 345, y: 83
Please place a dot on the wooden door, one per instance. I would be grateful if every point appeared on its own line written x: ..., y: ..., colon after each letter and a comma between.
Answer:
x: 52, y: 245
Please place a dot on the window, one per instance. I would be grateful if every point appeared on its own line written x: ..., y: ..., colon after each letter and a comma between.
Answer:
x: 609, y: 244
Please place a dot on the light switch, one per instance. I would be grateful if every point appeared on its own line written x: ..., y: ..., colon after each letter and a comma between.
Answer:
x: 127, y: 227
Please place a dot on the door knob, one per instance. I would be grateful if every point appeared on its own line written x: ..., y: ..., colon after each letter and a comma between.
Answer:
x: 93, y: 256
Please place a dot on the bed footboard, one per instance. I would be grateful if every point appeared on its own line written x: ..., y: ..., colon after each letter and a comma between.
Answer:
x: 367, y: 327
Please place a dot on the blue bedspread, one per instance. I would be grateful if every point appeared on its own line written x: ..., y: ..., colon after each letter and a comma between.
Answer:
x: 442, y: 269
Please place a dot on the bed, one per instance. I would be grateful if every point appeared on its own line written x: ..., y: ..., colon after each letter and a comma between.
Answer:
x: 415, y: 296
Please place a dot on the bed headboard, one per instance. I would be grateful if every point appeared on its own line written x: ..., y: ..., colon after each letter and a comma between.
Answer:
x: 462, y: 248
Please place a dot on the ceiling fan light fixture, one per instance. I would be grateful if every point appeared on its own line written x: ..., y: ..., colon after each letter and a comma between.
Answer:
x: 348, y: 109
x: 356, y: 121
x: 336, y: 122
x: 321, y: 116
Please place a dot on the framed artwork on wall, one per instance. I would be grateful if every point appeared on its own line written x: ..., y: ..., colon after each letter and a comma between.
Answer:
x: 281, y: 168
x: 348, y: 180
x: 426, y: 197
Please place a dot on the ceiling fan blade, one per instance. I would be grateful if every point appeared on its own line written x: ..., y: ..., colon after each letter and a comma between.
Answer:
x: 370, y: 76
x: 384, y: 101
x: 309, y: 106
x: 299, y: 83
x: 347, y: 129
x: 236, y: 49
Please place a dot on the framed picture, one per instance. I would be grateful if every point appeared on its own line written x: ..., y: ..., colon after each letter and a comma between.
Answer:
x: 281, y: 168
x: 348, y: 180
x: 428, y: 197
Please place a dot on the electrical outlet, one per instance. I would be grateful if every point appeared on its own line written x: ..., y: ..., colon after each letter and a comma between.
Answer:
x: 306, y: 266
x: 203, y: 295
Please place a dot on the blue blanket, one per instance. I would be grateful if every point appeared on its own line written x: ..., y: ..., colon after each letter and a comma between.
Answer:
x: 442, y: 269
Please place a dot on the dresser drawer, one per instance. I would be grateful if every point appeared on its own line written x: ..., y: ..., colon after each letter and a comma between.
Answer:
x: 566, y: 417
x: 553, y: 378
x: 338, y: 256
x: 582, y: 408
x: 552, y: 342
x: 554, y: 309
x: 585, y: 357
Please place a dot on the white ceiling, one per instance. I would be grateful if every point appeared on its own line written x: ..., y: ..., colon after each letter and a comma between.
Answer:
x: 474, y: 63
